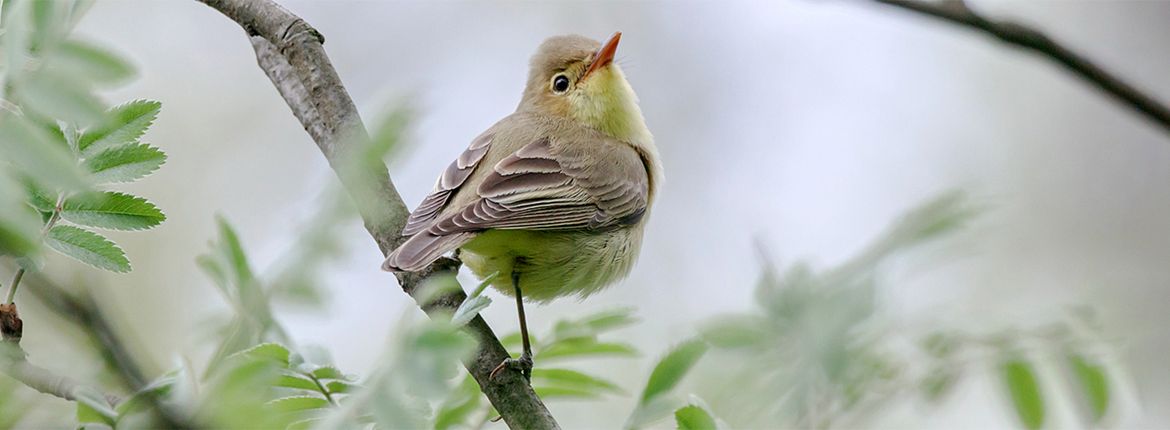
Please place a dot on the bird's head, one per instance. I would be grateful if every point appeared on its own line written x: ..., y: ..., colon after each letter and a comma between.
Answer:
x: 575, y: 77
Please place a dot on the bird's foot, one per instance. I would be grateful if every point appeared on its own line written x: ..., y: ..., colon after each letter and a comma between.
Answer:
x: 523, y: 364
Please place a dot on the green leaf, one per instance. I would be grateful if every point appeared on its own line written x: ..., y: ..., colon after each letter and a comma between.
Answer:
x: 1020, y: 379
x: 88, y: 247
x: 586, y: 347
x: 335, y: 387
x: 93, y: 408
x: 53, y: 94
x: 938, y: 383
x: 298, y: 403
x: 267, y: 351
x: 123, y: 125
x: 735, y: 331
x: 572, y: 379
x: 469, y: 309
x: 671, y: 368
x: 138, y: 401
x: 1094, y: 385
x: 114, y: 211
x: 329, y: 372
x: 692, y: 417
x: 457, y: 408
x: 29, y: 149
x: 84, y: 60
x: 20, y: 233
x: 297, y: 381
x: 125, y: 163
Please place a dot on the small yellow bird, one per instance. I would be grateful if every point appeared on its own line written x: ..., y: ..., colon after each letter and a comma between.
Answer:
x: 555, y: 195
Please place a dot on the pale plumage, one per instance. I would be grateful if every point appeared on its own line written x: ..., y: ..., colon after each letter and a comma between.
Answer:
x: 555, y: 195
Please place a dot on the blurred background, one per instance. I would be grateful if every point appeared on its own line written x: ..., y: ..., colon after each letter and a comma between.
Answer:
x: 790, y: 131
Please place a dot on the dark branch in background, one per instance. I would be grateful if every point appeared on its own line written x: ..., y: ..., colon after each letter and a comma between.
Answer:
x: 1013, y: 33
x: 291, y: 53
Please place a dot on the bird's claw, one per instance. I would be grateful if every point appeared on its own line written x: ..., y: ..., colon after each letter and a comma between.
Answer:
x: 523, y: 364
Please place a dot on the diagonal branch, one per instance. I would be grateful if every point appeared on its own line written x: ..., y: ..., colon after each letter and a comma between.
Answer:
x: 291, y: 53
x: 1013, y: 33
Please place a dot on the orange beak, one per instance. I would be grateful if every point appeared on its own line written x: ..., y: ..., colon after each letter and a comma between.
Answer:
x: 604, y: 55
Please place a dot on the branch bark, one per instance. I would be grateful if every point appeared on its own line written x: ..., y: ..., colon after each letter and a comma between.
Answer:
x: 1023, y: 36
x: 290, y: 52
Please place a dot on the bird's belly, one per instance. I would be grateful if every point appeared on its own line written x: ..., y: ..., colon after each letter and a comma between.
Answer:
x: 553, y: 264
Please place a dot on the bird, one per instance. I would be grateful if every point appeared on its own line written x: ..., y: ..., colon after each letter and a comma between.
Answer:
x: 553, y: 199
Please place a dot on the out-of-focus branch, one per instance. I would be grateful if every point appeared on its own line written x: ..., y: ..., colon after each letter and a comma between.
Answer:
x: 1013, y: 33
x: 290, y: 52
x: 44, y: 380
x: 86, y: 316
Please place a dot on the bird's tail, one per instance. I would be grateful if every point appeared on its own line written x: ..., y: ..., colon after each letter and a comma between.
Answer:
x: 422, y: 249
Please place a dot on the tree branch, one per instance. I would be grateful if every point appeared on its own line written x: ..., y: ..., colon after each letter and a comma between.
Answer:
x: 290, y: 52
x: 1013, y: 33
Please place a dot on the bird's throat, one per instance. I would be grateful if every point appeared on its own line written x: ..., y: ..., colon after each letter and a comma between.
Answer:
x: 608, y: 104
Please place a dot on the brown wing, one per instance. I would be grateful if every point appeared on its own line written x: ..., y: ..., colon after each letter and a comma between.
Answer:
x: 448, y: 183
x: 538, y: 188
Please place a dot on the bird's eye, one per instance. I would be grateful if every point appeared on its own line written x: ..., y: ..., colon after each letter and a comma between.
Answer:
x: 560, y: 84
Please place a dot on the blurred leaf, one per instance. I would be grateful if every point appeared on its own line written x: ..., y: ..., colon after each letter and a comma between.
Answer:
x: 125, y: 163
x: 29, y: 150
x: 83, y: 60
x: 692, y: 417
x: 1093, y: 383
x: 672, y: 367
x: 557, y: 392
x: 457, y: 408
x: 298, y: 403
x: 572, y: 379
x: 592, y: 325
x: 940, y: 344
x: 55, y: 95
x: 138, y: 401
x: 1020, y: 380
x: 735, y: 331
x: 88, y: 247
x: 938, y: 383
x: 586, y: 347
x: 114, y: 211
x: 19, y: 230
x: 93, y: 408
x: 123, y: 125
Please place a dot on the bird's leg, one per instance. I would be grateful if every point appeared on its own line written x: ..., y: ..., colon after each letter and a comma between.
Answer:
x: 524, y: 363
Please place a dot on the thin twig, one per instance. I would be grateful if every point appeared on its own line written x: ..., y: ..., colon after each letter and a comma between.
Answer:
x: 290, y: 52
x: 1017, y: 34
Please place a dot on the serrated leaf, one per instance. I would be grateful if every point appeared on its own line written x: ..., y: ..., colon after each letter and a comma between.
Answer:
x: 572, y: 379
x: 556, y: 392
x: 125, y: 163
x: 329, y: 372
x: 88, y: 247
x: 1093, y: 383
x: 274, y: 352
x: 1019, y: 378
x: 336, y: 387
x: 296, y: 381
x: 692, y: 417
x: 297, y: 403
x: 83, y: 60
x: 672, y: 367
x: 586, y: 347
x: 123, y: 125
x: 114, y: 211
